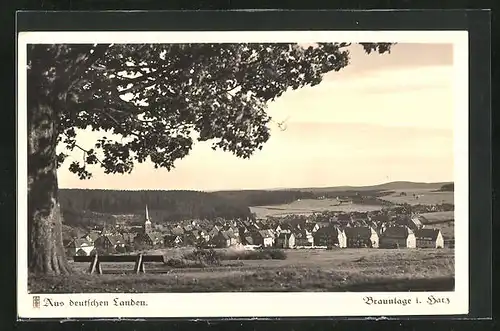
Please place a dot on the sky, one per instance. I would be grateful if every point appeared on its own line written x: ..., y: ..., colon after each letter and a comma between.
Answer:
x: 382, y: 118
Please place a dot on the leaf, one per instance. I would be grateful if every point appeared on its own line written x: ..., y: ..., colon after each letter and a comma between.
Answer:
x: 155, y: 95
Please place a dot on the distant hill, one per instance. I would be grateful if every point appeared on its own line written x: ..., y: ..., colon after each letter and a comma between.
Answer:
x: 164, y: 206
x: 391, y: 186
x: 447, y: 188
x: 287, y: 195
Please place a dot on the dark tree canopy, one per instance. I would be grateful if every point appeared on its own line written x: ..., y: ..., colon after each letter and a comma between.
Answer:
x: 164, y: 206
x: 156, y: 96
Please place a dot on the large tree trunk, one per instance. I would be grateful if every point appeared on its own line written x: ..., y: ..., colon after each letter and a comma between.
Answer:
x: 45, y: 252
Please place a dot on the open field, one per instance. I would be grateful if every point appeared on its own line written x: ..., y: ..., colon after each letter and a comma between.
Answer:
x: 425, y: 197
x: 309, y: 206
x: 398, y: 185
x: 439, y: 216
x: 303, y: 270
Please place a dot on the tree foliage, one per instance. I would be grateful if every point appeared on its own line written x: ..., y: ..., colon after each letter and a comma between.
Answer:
x: 161, y: 98
x: 448, y: 187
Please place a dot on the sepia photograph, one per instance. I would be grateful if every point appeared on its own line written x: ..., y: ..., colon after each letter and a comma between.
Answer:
x: 226, y: 164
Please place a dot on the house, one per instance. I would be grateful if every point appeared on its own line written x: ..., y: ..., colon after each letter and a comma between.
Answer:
x: 249, y: 239
x: 344, y: 219
x: 277, y: 229
x: 177, y: 231
x: 260, y: 225
x: 303, y: 238
x: 285, y: 240
x: 243, y: 231
x: 263, y: 238
x: 128, y: 237
x: 195, y: 234
x: 232, y: 229
x: 220, y: 240
x: 172, y: 240
x: 379, y: 218
x: 417, y: 222
x: 312, y: 227
x: 284, y: 228
x: 148, y: 239
x: 429, y: 238
x: 225, y: 239
x: 361, y: 236
x: 79, y: 246
x: 332, y: 219
x: 188, y: 227
x: 397, y: 237
x: 414, y: 222
x: 330, y: 236
x: 234, y: 238
x: 91, y: 236
x: 204, y: 235
x: 323, y: 224
x: 106, y: 242
x: 214, y: 232
x: 190, y: 239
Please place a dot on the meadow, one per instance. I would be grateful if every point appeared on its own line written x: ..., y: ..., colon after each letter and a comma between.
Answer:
x: 439, y: 217
x: 425, y: 197
x: 310, y: 206
x: 302, y: 270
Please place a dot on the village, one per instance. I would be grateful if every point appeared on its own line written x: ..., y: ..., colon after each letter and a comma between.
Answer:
x: 388, y: 228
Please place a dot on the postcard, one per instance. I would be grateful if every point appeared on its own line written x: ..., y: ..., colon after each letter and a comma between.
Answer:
x: 242, y: 174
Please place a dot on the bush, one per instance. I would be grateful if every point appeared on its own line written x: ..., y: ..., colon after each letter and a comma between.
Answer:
x: 204, y: 256
x: 265, y: 254
x: 210, y: 257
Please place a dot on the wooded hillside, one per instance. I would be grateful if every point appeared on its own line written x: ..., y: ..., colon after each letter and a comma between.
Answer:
x: 164, y: 205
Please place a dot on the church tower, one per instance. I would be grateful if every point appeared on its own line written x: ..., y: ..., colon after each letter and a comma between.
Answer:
x: 147, y: 222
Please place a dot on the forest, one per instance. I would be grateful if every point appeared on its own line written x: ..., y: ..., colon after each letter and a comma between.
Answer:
x: 277, y: 197
x: 80, y: 206
x: 447, y: 187
x: 164, y: 206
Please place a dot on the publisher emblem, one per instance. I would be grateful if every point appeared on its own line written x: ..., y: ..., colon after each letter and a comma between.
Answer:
x: 36, y: 301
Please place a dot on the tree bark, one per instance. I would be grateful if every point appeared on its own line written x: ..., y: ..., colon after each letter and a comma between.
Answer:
x: 45, y: 252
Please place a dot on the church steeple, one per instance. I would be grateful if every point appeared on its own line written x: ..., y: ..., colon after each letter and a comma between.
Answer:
x: 147, y: 222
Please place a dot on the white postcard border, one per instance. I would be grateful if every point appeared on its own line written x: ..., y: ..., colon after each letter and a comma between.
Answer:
x: 255, y: 304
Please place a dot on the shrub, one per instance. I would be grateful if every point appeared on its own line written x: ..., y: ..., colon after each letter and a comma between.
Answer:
x: 204, y: 256
x: 186, y: 263
x: 265, y: 254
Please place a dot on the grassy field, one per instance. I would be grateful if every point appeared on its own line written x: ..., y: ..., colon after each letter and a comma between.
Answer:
x: 309, y: 206
x: 440, y: 216
x: 425, y: 197
x: 302, y: 270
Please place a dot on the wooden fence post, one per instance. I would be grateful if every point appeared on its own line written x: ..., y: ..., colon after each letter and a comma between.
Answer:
x: 94, y: 265
x: 138, y: 264
x: 141, y: 267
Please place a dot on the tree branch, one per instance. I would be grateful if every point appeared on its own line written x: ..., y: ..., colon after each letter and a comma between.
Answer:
x: 85, y: 151
x: 86, y: 60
